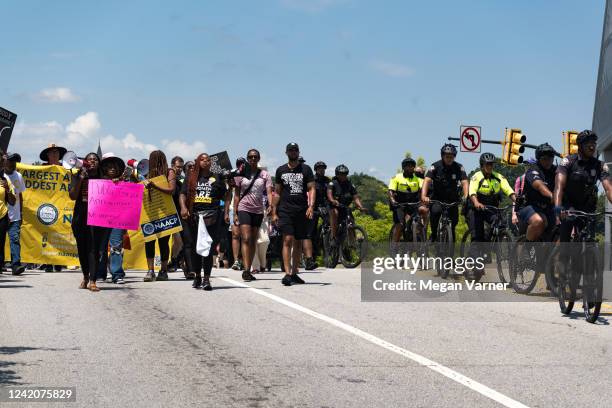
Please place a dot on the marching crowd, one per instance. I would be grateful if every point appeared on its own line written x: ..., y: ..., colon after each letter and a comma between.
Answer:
x: 236, y: 215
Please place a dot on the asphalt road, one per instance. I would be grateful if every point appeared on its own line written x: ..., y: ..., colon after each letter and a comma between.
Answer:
x: 164, y: 344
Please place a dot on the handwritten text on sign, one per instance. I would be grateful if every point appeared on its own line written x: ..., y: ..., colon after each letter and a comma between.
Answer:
x: 114, y: 205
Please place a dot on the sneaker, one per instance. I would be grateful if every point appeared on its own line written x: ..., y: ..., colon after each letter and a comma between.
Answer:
x: 197, y: 282
x: 150, y: 276
x: 247, y: 277
x: 58, y: 268
x: 162, y: 276
x: 296, y: 279
x: 206, y: 285
x: 287, y: 281
x: 237, y: 266
x: 48, y: 268
x: 311, y: 264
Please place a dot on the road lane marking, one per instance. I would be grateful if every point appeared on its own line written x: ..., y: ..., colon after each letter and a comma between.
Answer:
x: 425, y: 362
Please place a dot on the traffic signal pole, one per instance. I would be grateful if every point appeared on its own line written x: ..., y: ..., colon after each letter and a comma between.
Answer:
x: 503, y: 143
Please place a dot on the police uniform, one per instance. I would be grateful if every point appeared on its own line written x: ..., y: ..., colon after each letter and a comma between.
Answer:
x: 407, y: 190
x: 580, y: 187
x: 488, y: 190
x: 534, y: 201
x: 446, y: 188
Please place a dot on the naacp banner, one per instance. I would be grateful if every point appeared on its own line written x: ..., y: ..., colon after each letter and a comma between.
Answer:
x: 158, y: 217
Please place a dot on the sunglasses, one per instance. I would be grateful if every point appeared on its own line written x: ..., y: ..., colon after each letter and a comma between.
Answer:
x: 253, y: 157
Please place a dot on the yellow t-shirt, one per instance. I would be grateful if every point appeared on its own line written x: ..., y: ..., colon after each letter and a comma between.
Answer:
x: 3, y: 203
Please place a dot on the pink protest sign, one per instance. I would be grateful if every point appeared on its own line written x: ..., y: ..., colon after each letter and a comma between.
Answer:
x: 114, y: 205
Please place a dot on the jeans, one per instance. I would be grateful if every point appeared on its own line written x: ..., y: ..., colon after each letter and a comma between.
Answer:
x: 14, y: 233
x: 116, y: 254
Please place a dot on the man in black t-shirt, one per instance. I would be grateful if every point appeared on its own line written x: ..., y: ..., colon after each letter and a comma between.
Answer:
x: 292, y: 207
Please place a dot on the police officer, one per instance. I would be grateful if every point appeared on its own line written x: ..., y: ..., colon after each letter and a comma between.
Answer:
x: 405, y: 187
x: 446, y: 177
x: 320, y: 210
x: 486, y: 186
x: 535, y: 206
x: 576, y: 182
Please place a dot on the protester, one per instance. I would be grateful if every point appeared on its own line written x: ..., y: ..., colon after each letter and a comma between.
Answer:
x: 176, y: 253
x: 236, y: 247
x: 113, y: 168
x: 158, y: 166
x: 296, y: 189
x: 15, y: 212
x: 200, y: 203
x: 7, y: 198
x: 52, y: 155
x: 260, y: 261
x: 249, y: 207
x: 89, y: 239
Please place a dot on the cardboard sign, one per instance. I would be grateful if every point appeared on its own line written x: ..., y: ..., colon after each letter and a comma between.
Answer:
x: 7, y: 123
x: 219, y: 162
x: 159, y: 217
x: 114, y: 205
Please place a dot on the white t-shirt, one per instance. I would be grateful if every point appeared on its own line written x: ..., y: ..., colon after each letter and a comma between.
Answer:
x: 14, y: 211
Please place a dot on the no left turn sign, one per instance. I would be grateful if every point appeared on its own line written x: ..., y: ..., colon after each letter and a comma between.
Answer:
x: 470, y: 139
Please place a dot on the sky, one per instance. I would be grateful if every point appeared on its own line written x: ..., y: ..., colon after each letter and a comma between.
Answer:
x: 352, y: 81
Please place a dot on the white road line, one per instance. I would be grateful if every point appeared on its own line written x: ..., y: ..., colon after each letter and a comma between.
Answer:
x: 425, y: 362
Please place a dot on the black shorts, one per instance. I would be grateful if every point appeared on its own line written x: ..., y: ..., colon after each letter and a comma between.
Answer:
x: 399, y: 213
x: 249, y: 218
x: 293, y: 224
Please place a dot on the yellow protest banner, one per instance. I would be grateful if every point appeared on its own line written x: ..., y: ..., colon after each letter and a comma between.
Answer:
x: 159, y: 217
x: 46, y: 231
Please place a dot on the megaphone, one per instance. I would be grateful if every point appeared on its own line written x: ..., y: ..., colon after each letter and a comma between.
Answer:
x: 143, y: 167
x: 71, y: 161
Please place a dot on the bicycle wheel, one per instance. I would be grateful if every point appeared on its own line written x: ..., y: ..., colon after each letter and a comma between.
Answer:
x: 330, y: 253
x: 503, y: 249
x: 592, y: 286
x: 551, y: 274
x: 465, y: 241
x: 419, y: 239
x: 354, y: 247
x: 444, y: 244
x: 523, y: 271
x: 560, y: 266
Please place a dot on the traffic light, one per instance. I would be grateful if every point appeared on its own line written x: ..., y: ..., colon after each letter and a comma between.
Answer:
x: 513, y: 147
x: 570, y: 146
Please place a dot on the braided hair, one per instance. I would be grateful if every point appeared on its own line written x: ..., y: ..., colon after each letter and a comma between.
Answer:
x: 192, y: 181
x: 158, y: 164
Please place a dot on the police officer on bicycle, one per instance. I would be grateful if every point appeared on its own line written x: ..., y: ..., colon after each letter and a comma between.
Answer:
x: 486, y: 187
x: 447, y: 178
x: 405, y: 187
x: 535, y: 204
x: 320, y: 209
x: 340, y: 194
x: 576, y: 182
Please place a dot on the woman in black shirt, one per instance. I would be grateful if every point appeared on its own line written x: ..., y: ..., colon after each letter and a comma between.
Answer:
x: 88, y: 238
x: 201, y: 194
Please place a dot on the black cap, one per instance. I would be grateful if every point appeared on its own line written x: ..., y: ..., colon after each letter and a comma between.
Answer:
x: 292, y: 146
x: 14, y: 157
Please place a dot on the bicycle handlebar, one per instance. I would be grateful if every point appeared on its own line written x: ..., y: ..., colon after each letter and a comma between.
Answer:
x: 447, y: 205
x: 500, y: 209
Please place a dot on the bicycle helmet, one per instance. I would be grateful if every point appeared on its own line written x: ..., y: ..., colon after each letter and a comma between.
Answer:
x: 487, y: 158
x: 586, y: 136
x: 448, y: 148
x: 544, y: 150
x: 408, y: 161
x: 320, y: 164
x: 342, y: 169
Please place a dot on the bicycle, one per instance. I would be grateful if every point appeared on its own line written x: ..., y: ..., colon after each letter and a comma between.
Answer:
x: 497, y: 233
x: 527, y: 260
x: 585, y: 267
x: 350, y: 245
x: 413, y: 231
x: 445, y: 245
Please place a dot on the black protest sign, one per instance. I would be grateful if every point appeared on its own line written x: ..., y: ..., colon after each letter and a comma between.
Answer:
x: 7, y: 123
x: 220, y: 162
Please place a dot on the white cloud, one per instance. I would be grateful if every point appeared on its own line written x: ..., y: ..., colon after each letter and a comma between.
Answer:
x: 187, y: 150
x: 310, y: 6
x: 81, y: 136
x: 391, y: 69
x: 56, y: 95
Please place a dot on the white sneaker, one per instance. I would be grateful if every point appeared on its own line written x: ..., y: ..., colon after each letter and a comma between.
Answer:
x: 120, y: 281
